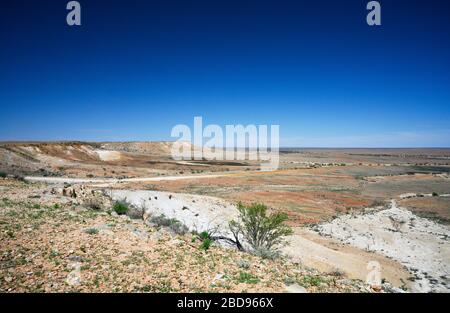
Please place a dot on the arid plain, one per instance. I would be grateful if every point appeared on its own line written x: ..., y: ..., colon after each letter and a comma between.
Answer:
x: 348, y: 207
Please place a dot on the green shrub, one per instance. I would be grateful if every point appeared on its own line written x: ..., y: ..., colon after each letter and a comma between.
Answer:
x: 206, y: 244
x: 308, y: 281
x: 121, y: 207
x: 206, y: 238
x: 172, y: 223
x: 435, y: 194
x: 264, y: 233
x: 204, y: 235
x: 91, y: 231
x: 247, y: 278
x: 3, y: 175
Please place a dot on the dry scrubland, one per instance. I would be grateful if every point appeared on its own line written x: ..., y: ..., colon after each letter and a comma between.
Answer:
x: 48, y: 234
x: 47, y: 237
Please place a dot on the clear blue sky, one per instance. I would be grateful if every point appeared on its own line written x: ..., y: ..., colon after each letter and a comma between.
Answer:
x: 134, y: 69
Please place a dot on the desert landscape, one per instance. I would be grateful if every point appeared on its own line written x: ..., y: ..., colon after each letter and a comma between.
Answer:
x: 346, y: 207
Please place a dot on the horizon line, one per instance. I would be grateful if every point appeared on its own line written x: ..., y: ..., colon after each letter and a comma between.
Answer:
x: 134, y: 141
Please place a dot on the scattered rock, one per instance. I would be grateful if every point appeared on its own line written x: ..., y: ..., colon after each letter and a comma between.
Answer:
x: 295, y: 288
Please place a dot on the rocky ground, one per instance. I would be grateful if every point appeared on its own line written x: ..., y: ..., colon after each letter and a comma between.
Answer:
x: 420, y: 244
x: 70, y: 240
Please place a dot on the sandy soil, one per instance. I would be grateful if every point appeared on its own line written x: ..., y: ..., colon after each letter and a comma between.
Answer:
x: 328, y: 255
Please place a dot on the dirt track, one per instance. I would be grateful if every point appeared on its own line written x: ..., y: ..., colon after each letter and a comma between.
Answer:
x: 72, y: 180
x: 113, y: 180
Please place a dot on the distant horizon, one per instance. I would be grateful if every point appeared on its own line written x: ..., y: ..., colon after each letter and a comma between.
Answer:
x: 281, y: 147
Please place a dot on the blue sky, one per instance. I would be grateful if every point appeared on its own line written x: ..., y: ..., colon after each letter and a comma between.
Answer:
x: 134, y: 69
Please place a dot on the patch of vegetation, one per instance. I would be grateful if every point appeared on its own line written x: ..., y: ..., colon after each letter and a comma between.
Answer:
x: 308, y: 281
x: 3, y: 175
x: 20, y: 178
x: 247, y: 278
x: 337, y: 273
x: 204, y: 235
x: 206, y: 244
x: 264, y: 232
x: 91, y: 231
x: 10, y: 233
x: 435, y: 194
x: 435, y: 217
x: 265, y: 253
x: 378, y: 203
x: 172, y: 223
x: 94, y: 204
x: 121, y: 207
x: 136, y: 213
x: 243, y: 264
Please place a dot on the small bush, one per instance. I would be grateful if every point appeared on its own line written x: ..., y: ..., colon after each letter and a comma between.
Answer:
x: 378, y: 202
x: 93, y: 204
x: 204, y: 235
x: 91, y: 231
x: 247, y: 278
x: 172, y: 223
x: 3, y: 175
x: 135, y: 213
x: 308, y: 281
x: 435, y: 194
x: 265, y: 253
x: 206, y: 238
x: 243, y: 264
x: 206, y: 244
x: 265, y: 233
x: 121, y: 207
x: 337, y: 272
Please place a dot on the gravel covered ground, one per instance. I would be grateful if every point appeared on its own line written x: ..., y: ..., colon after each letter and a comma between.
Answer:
x: 59, y: 243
